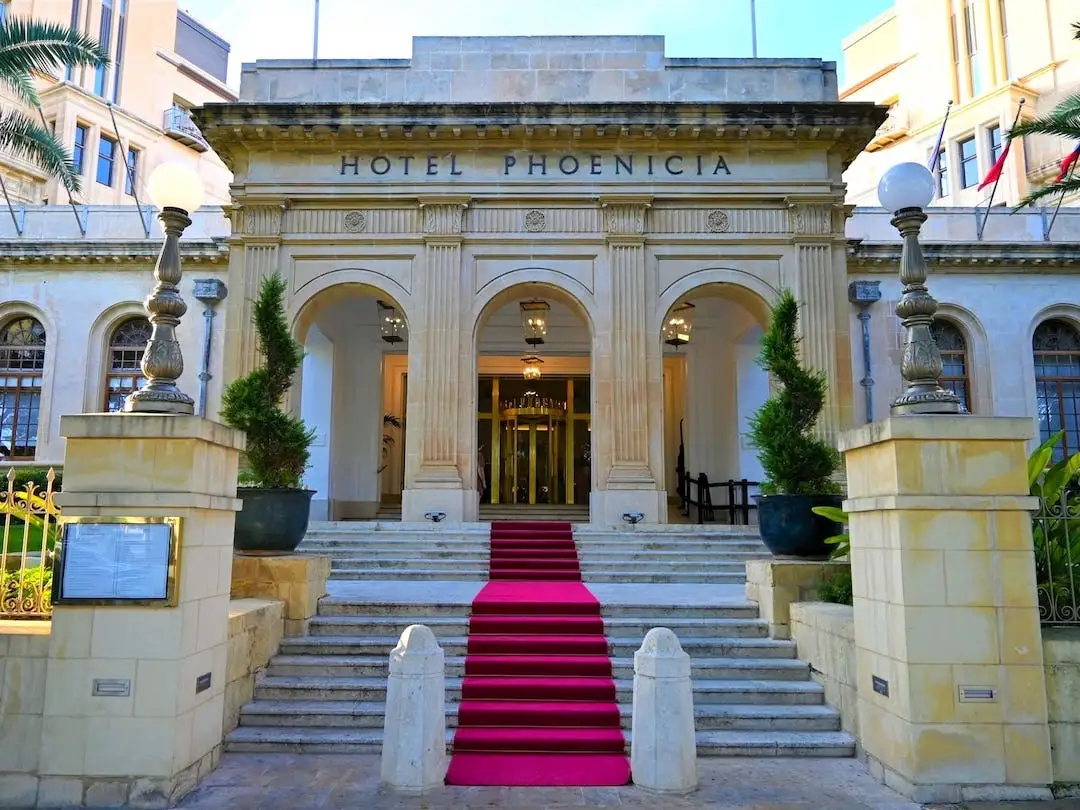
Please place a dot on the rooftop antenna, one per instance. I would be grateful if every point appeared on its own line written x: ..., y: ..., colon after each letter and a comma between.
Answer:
x: 315, y: 47
x: 753, y: 24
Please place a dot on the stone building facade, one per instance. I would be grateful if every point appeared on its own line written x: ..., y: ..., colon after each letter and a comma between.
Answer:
x: 415, y: 206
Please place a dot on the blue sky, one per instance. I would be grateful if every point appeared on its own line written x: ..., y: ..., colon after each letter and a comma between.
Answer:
x: 282, y: 29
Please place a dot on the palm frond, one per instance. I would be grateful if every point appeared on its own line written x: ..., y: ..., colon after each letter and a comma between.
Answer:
x: 28, y: 46
x: 1066, y: 186
x: 1076, y: 27
x: 24, y: 137
x: 1062, y: 121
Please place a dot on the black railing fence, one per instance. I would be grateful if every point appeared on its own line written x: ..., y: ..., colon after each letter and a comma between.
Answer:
x: 732, y: 499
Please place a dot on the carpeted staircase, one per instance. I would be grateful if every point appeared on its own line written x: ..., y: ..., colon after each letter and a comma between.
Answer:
x: 538, y: 698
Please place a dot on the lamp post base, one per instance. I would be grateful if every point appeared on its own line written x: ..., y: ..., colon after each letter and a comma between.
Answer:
x: 927, y: 402
x: 159, y: 400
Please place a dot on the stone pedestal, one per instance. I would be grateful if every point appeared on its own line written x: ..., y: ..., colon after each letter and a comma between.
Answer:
x: 414, y: 737
x: 663, y: 748
x: 152, y: 745
x: 775, y: 584
x: 297, y: 580
x: 952, y: 700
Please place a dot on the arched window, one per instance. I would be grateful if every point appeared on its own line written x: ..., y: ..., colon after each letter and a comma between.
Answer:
x: 954, y: 359
x: 1056, y: 347
x: 22, y: 361
x: 126, y: 347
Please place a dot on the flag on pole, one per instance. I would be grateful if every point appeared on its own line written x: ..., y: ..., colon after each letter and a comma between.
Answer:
x: 1067, y: 163
x: 994, y: 174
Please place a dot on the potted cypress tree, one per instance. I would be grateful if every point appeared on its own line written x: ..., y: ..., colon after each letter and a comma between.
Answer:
x: 798, y: 465
x: 276, y: 503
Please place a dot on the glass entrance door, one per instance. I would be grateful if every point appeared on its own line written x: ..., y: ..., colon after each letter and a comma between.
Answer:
x: 538, y: 435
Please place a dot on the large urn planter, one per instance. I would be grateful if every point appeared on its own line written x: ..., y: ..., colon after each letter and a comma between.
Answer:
x: 790, y: 529
x: 273, y: 521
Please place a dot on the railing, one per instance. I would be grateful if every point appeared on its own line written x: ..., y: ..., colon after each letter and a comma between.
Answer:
x: 737, y: 503
x: 29, y: 520
x: 178, y: 124
x: 1056, y: 530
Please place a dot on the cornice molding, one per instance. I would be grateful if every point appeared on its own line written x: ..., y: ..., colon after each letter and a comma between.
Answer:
x: 129, y: 252
x: 963, y: 257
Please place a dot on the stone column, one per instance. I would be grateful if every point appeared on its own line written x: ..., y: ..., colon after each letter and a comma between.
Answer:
x: 663, y: 744
x: 636, y: 385
x: 135, y: 696
x: 952, y: 696
x: 414, y: 743
x: 437, y: 393
x: 819, y: 281
x: 255, y: 249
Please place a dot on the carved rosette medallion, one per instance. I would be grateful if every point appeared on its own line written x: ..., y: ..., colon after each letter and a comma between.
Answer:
x: 354, y: 222
x: 718, y: 222
x: 535, y: 221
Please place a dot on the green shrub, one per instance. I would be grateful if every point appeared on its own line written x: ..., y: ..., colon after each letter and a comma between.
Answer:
x: 278, y: 443
x: 796, y: 462
x: 38, y: 476
x: 27, y: 591
x: 836, y: 588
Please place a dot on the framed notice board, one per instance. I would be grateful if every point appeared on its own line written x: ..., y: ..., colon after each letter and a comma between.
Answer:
x: 117, y: 561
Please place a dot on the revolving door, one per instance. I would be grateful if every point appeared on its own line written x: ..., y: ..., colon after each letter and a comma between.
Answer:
x: 533, y: 451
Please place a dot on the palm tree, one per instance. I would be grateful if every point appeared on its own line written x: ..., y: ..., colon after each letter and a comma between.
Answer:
x: 1064, y: 122
x: 33, y: 46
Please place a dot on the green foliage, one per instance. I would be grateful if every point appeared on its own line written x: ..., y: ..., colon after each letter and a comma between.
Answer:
x: 795, y: 461
x: 27, y: 517
x: 389, y: 422
x: 837, y: 588
x: 1055, y: 530
x: 841, y: 541
x: 277, y: 442
x: 38, y: 476
x: 1063, y: 122
x: 28, y: 47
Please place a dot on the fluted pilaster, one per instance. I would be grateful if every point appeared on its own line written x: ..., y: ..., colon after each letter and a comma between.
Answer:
x: 817, y: 226
x: 443, y: 389
x: 625, y: 224
x: 258, y: 227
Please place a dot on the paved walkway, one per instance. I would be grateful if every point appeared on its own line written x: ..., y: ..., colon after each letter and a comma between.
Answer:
x: 342, y: 782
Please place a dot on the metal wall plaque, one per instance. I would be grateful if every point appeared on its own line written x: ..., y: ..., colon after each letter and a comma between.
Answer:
x: 881, y: 686
x: 111, y: 687
x: 202, y: 683
x: 977, y: 694
x: 117, y: 561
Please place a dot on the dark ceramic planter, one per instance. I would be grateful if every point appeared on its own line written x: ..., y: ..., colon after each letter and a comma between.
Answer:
x: 273, y: 521
x: 790, y: 530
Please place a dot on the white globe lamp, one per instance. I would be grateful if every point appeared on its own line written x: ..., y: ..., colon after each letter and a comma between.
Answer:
x: 906, y: 185
x: 176, y: 185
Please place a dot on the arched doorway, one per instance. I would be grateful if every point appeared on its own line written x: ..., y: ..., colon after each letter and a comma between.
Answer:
x: 711, y: 338
x: 534, y: 405
x: 352, y: 391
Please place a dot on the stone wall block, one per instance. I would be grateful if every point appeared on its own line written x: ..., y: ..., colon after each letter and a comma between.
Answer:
x: 663, y: 751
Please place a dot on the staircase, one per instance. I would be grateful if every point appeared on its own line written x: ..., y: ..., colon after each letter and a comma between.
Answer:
x: 326, y: 692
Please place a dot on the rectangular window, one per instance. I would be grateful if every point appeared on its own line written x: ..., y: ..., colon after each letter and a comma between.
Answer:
x: 76, y: 6
x: 955, y: 42
x: 969, y: 163
x: 101, y: 74
x: 971, y: 39
x: 3, y: 10
x: 943, y: 174
x: 106, y: 160
x: 993, y: 139
x: 78, y: 154
x: 118, y: 57
x: 131, y: 174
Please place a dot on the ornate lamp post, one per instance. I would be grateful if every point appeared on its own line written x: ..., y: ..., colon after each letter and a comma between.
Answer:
x: 905, y: 190
x: 178, y: 191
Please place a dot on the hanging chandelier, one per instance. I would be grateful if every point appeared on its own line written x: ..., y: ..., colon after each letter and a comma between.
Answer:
x: 678, y: 326
x: 534, y: 315
x: 532, y: 363
x: 391, y: 324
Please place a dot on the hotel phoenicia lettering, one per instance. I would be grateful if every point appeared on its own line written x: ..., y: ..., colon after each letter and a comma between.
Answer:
x: 528, y: 274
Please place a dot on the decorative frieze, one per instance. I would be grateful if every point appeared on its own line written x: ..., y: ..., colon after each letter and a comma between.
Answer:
x: 718, y: 220
x: 443, y: 216
x: 259, y: 220
x: 500, y: 219
x: 625, y: 217
x: 354, y: 222
x: 816, y: 218
x: 534, y: 221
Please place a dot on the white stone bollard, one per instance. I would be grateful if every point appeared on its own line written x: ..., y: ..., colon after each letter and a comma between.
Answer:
x: 414, y: 736
x: 663, y: 747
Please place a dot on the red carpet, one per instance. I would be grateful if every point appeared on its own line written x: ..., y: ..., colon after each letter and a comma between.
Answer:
x: 538, y: 701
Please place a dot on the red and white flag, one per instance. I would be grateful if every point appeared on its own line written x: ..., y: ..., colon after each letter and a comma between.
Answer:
x: 1067, y: 163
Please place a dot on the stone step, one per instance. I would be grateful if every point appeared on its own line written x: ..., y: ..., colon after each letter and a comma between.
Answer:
x: 708, y: 717
x: 481, y: 575
x: 276, y: 739
x: 344, y: 607
x: 427, y: 613
x: 481, y: 544
x: 618, y: 646
x: 363, y: 666
x: 373, y: 689
x: 670, y: 560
